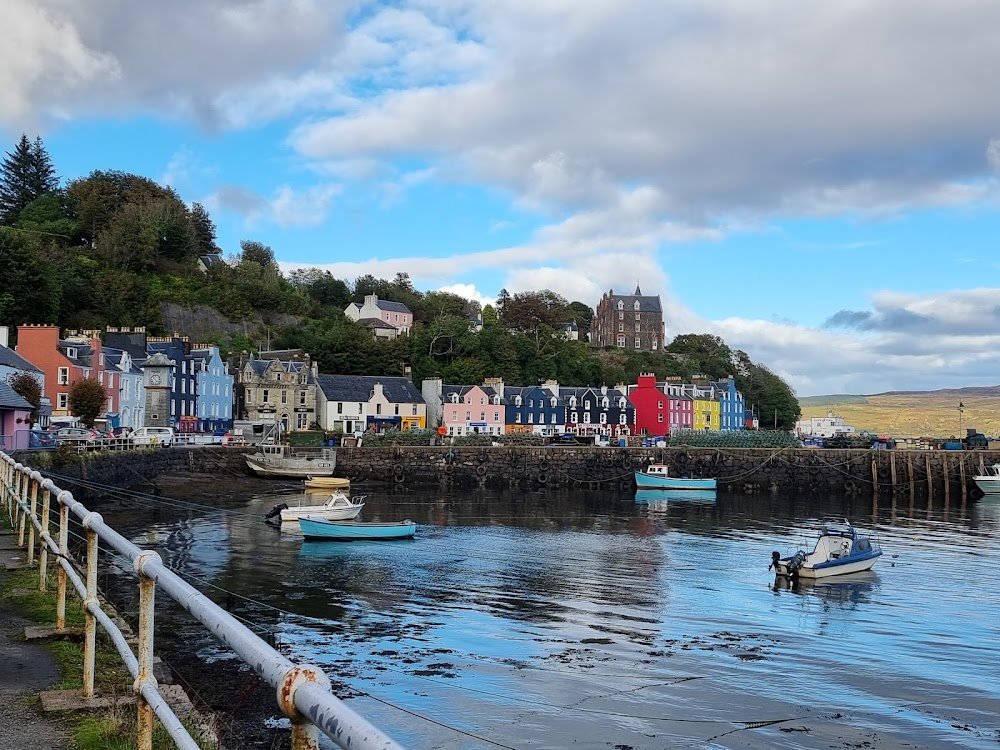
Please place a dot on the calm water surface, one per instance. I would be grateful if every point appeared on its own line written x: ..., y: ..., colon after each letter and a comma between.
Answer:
x: 586, y: 620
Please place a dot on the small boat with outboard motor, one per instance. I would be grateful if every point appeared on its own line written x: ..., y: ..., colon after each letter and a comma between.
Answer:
x: 351, y: 531
x: 339, y: 507
x: 839, y: 549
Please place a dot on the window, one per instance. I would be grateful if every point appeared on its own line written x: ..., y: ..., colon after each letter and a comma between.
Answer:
x: 496, y: 416
x: 378, y: 408
x: 604, y: 418
x: 659, y: 404
x: 638, y: 343
x: 110, y: 404
x: 621, y: 305
x: 340, y: 407
x: 468, y: 416
x: 284, y: 397
x: 302, y: 420
x: 414, y: 410
x: 637, y: 328
x: 553, y: 419
x: 573, y: 418
x: 100, y: 377
x: 454, y: 415
x: 637, y: 316
x: 63, y: 376
x: 621, y: 327
x: 586, y: 417
x: 659, y: 417
x: 517, y: 418
x: 63, y: 400
x: 621, y: 419
x: 621, y: 342
x: 482, y: 400
x: 396, y: 407
x: 517, y: 400
x: 604, y: 402
x: 71, y: 352
x: 531, y: 419
x: 654, y: 344
x: 621, y: 316
x: 635, y: 305
x: 265, y: 397
x: 482, y: 416
x: 302, y: 398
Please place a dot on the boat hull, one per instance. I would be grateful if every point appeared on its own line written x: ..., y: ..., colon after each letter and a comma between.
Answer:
x: 324, y: 483
x: 356, y: 530
x: 647, y: 482
x: 319, y: 511
x: 989, y: 485
x: 290, y: 467
x: 826, y: 570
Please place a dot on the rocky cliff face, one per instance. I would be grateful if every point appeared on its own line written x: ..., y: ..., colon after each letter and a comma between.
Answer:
x: 200, y: 322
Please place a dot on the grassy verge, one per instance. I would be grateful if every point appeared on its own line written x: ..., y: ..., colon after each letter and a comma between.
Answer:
x: 110, y: 729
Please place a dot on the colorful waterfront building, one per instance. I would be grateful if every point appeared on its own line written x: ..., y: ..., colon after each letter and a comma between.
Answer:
x: 466, y: 409
x: 536, y: 409
x: 598, y: 411
x: 356, y: 403
x: 213, y: 388
x: 652, y: 406
x: 732, y: 409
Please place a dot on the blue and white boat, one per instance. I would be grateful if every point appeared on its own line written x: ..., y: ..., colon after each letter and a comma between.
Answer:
x: 839, y: 549
x: 657, y: 477
x: 347, y: 531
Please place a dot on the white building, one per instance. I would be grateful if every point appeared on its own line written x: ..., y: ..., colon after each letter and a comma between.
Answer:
x: 396, y: 315
x: 827, y: 426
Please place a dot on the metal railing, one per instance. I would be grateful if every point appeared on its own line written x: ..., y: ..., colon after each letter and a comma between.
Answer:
x: 303, y: 690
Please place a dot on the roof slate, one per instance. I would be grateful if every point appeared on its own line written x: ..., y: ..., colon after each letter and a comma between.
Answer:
x: 359, y: 388
x: 11, y: 399
x: 10, y: 358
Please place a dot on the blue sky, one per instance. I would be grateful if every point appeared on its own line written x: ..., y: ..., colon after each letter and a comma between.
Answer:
x: 815, y: 183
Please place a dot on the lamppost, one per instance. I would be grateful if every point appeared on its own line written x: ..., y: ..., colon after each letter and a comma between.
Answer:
x: 961, y: 411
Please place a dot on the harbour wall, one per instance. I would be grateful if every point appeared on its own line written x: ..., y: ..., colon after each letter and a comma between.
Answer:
x: 946, y: 474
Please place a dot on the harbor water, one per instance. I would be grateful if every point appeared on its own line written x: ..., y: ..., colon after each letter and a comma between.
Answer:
x: 592, y: 620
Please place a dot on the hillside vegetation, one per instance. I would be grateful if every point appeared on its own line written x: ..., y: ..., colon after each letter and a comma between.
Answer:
x: 117, y: 249
x: 914, y: 414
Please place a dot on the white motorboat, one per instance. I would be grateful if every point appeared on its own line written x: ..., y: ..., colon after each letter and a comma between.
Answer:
x: 839, y: 549
x: 989, y: 482
x: 339, y: 507
x: 285, y: 461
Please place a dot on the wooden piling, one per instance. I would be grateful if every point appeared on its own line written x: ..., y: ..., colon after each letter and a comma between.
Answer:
x: 930, y: 481
x: 913, y: 488
x: 875, y: 477
x: 946, y: 471
x: 892, y: 470
x: 961, y: 475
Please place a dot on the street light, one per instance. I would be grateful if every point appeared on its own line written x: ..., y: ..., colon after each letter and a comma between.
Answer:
x: 961, y: 411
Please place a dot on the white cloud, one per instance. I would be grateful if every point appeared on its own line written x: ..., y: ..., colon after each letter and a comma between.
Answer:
x: 287, y: 207
x: 468, y: 291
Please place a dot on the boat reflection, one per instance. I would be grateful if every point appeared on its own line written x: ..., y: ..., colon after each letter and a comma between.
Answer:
x: 652, y: 497
x: 851, y: 588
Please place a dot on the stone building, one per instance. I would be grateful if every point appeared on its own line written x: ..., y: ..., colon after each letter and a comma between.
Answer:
x: 633, y: 321
x: 279, y: 390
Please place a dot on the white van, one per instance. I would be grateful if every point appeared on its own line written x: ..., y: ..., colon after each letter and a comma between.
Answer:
x: 153, y: 436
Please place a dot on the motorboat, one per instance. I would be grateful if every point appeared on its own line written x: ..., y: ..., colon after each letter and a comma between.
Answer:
x: 659, y: 497
x: 989, y: 482
x: 657, y: 477
x: 286, y: 461
x: 327, y: 483
x: 339, y: 507
x: 348, y: 531
x: 839, y: 549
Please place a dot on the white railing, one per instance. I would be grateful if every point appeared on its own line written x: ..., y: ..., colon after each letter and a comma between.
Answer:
x: 303, y: 690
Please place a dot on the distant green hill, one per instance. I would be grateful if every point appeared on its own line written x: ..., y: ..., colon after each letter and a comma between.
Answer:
x: 835, y: 400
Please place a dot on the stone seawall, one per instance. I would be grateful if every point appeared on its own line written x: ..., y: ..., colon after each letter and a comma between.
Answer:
x: 938, y: 473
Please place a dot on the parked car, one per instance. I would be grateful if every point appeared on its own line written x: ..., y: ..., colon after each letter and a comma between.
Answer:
x: 77, y: 435
x: 153, y: 436
x: 41, y: 439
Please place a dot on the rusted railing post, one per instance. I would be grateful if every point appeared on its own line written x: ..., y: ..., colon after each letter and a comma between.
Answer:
x: 33, y: 480
x: 305, y: 734
x: 43, y: 553
x: 89, y: 621
x: 147, y: 593
x: 64, y: 552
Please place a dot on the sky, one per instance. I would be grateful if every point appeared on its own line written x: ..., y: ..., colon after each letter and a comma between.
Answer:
x: 814, y: 182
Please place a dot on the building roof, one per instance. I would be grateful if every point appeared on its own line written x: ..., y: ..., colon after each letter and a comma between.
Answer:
x: 376, y: 323
x: 10, y: 358
x: 384, y: 304
x: 114, y: 358
x: 646, y: 304
x: 11, y: 399
x: 211, y: 260
x: 259, y: 366
x: 360, y: 387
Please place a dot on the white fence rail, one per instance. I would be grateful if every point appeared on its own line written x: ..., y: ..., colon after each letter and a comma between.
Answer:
x: 303, y: 691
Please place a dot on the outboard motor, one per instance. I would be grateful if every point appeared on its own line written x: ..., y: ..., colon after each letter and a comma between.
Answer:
x: 775, y: 559
x: 795, y: 563
x: 276, y: 510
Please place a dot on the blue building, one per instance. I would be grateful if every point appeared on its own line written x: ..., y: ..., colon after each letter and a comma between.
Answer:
x: 598, y: 411
x: 534, y: 408
x: 183, y: 381
x: 214, y: 389
x: 732, y: 409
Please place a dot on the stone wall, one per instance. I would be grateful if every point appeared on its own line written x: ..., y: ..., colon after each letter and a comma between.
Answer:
x: 737, y: 470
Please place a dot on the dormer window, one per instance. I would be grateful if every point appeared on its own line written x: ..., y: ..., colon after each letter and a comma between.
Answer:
x: 572, y: 402
x: 621, y: 403
x: 621, y: 305
x: 454, y: 398
x: 553, y: 401
x: 71, y: 352
x: 636, y: 305
x: 604, y: 402
x: 517, y: 400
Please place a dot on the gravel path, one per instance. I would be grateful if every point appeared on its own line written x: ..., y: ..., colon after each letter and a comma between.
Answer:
x: 25, y: 670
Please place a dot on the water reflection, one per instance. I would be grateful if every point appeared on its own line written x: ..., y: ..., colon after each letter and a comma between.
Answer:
x: 656, y: 497
x: 577, y: 619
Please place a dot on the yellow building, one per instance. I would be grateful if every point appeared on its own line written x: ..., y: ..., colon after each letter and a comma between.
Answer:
x: 706, y: 414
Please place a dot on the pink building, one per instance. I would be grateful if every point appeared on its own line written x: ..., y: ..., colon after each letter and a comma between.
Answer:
x: 680, y: 406
x: 471, y: 409
x: 15, y: 416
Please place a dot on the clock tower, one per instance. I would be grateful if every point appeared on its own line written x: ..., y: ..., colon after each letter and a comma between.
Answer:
x: 156, y: 379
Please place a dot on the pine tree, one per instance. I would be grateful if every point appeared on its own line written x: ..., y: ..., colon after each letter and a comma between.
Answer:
x: 26, y: 173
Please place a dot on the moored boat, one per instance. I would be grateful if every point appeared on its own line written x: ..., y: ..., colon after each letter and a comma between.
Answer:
x: 346, y: 531
x: 989, y: 482
x: 324, y: 483
x: 339, y: 507
x: 657, y: 477
x: 839, y: 549
x: 285, y: 461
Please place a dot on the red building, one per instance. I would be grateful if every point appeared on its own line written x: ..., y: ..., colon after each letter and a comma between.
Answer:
x: 652, y: 414
x: 64, y: 362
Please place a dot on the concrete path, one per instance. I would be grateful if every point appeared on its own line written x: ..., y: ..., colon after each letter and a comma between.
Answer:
x: 25, y: 670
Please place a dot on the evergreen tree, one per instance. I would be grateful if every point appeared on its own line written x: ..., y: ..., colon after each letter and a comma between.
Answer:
x: 202, y: 230
x: 26, y: 173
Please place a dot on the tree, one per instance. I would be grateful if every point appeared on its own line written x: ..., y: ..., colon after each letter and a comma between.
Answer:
x: 27, y: 387
x: 202, y: 231
x: 87, y: 400
x: 26, y: 173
